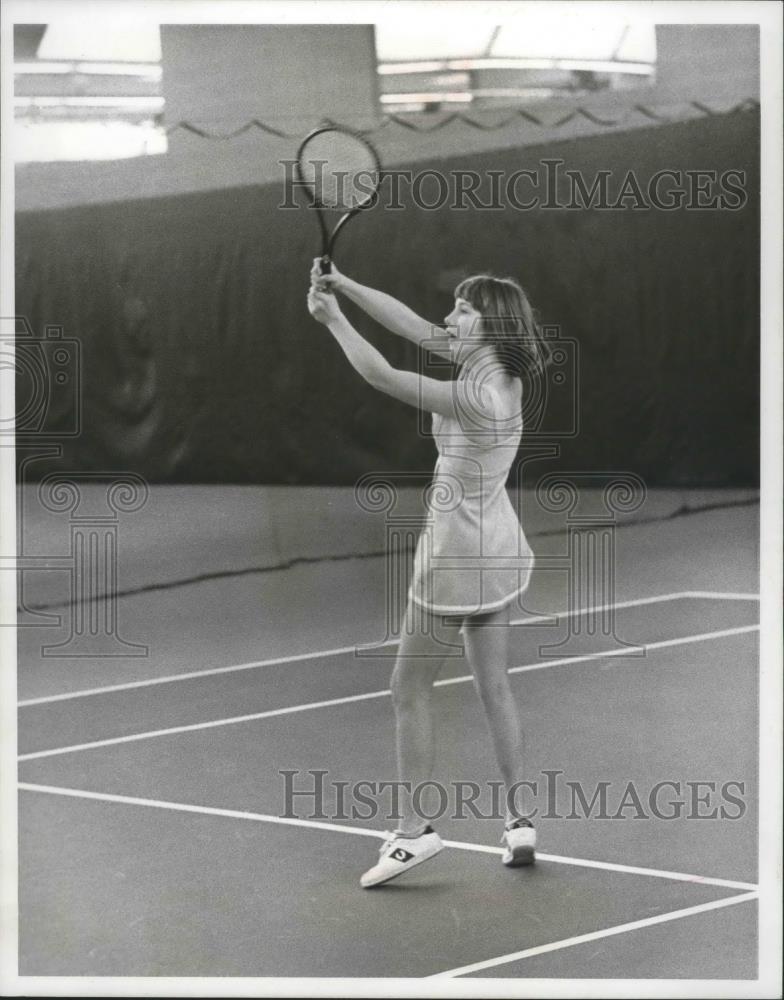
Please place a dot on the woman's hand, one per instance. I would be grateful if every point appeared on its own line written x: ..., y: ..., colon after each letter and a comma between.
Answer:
x: 323, y: 306
x: 323, y: 282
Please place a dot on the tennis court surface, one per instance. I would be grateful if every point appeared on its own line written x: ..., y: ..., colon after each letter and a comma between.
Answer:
x: 156, y: 838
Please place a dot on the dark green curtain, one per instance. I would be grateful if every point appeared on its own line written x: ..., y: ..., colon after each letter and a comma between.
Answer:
x: 200, y: 362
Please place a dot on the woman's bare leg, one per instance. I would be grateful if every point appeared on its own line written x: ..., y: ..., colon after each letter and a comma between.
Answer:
x: 419, y: 660
x: 487, y: 647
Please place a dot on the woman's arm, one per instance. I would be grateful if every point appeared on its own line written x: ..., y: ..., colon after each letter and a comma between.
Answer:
x: 409, y: 387
x: 385, y: 309
x: 388, y: 311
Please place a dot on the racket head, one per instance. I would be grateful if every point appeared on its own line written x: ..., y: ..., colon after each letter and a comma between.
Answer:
x: 339, y: 168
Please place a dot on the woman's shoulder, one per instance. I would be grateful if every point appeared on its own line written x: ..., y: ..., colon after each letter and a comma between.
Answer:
x: 493, y: 398
x: 500, y: 389
x: 508, y: 390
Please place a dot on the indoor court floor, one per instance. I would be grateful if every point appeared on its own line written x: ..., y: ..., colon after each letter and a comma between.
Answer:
x: 153, y: 834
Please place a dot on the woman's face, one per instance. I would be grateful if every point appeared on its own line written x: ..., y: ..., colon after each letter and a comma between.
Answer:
x: 463, y: 324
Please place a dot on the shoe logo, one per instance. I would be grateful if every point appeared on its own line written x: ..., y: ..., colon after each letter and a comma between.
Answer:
x: 400, y: 855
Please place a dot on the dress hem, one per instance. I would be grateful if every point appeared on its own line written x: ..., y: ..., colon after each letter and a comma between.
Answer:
x: 472, y: 610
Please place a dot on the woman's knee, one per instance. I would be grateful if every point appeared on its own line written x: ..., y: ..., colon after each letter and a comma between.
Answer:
x: 489, y: 663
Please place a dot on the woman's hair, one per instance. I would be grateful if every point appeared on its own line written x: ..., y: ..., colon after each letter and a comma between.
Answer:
x: 509, y: 323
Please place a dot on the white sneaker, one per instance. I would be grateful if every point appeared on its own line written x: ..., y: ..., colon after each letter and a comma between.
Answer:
x: 400, y: 854
x: 520, y: 840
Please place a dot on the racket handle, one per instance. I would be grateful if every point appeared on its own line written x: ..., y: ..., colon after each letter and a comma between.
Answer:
x: 326, y: 264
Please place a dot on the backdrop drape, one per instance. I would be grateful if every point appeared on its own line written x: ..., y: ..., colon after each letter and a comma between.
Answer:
x: 201, y: 363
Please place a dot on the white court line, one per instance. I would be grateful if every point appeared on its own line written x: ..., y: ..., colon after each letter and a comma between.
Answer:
x: 620, y: 651
x: 274, y: 661
x: 634, y: 925
x: 342, y: 650
x: 347, y: 699
x: 209, y: 672
x: 174, y: 730
x: 361, y: 832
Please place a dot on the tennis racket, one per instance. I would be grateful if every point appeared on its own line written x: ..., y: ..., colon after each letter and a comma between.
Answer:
x: 341, y: 172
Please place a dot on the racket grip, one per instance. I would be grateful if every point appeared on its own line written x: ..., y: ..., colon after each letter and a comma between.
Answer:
x: 326, y: 264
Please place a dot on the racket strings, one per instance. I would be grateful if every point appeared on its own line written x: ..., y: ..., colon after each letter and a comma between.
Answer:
x: 340, y: 169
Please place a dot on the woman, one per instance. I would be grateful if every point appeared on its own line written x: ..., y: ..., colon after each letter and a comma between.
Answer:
x: 472, y: 559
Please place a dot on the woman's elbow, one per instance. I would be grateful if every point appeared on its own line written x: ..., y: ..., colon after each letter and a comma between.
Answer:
x: 380, y: 377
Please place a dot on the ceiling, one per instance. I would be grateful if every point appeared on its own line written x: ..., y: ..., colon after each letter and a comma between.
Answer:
x: 436, y: 57
x: 539, y: 36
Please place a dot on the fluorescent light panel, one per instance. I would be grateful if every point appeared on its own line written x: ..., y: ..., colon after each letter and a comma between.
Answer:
x: 51, y: 141
x: 153, y: 103
x: 151, y: 71
x: 102, y: 41
x: 427, y: 98
x: 597, y: 65
x: 535, y: 35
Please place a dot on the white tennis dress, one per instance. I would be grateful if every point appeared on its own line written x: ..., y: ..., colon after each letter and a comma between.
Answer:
x: 472, y: 555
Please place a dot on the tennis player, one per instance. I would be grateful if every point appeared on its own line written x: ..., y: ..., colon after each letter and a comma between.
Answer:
x: 472, y: 558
